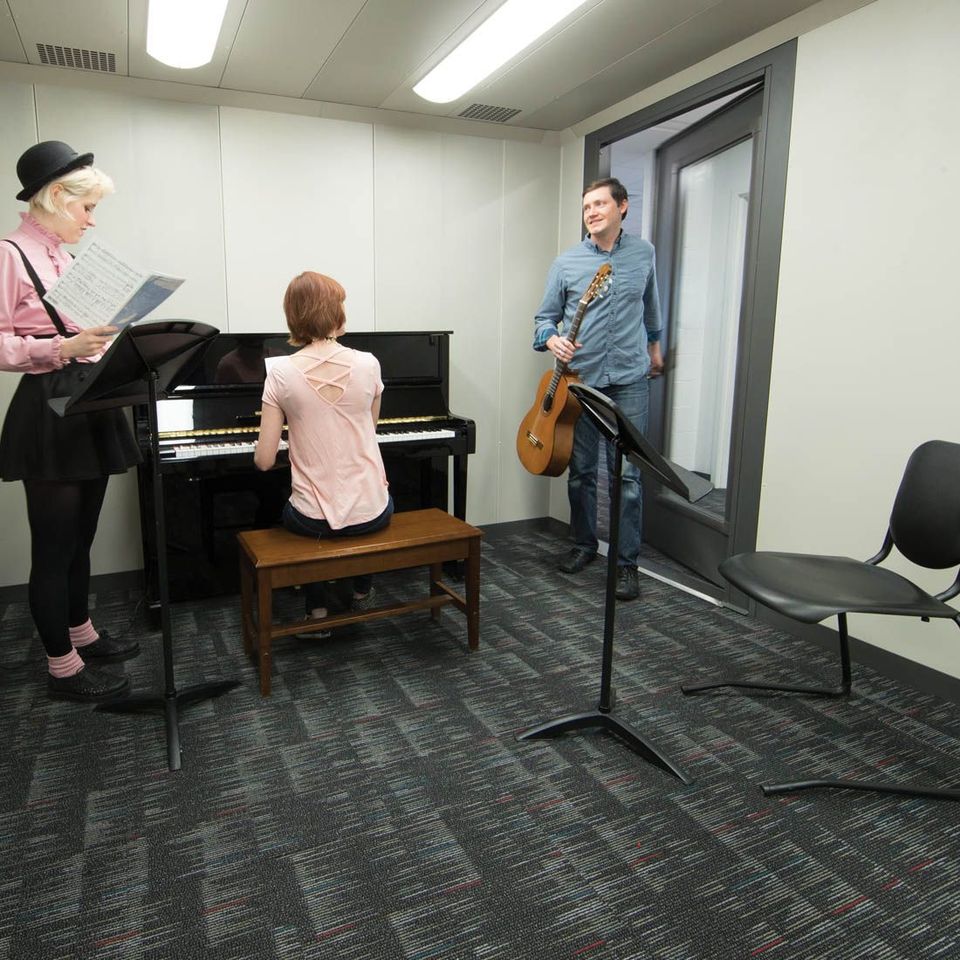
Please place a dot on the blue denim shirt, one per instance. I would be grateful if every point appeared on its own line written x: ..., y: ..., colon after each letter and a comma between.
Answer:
x: 615, y: 330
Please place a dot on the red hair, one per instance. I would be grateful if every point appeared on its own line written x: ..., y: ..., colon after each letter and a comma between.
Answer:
x: 313, y: 305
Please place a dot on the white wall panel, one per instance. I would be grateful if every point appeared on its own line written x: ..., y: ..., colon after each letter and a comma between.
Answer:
x: 19, y: 132
x: 410, y: 281
x: 866, y: 339
x: 569, y: 232
x: 165, y: 215
x: 164, y: 158
x: 439, y: 225
x: 298, y: 195
x: 470, y: 242
x: 531, y: 196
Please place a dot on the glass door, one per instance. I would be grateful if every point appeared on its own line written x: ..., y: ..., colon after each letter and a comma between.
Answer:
x: 704, y: 180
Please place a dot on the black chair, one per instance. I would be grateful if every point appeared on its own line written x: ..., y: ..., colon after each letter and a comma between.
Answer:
x: 924, y: 527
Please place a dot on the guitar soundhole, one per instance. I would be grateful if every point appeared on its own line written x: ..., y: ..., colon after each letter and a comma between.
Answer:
x: 547, y: 404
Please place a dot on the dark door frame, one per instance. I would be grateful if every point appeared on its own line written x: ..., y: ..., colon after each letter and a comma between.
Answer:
x: 698, y: 539
x: 775, y: 68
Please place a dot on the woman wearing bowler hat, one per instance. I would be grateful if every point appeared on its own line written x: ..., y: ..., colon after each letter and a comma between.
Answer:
x: 64, y: 463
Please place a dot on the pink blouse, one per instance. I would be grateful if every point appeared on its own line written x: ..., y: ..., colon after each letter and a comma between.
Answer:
x: 22, y: 314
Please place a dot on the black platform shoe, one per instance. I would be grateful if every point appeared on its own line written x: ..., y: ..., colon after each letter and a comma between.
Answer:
x: 89, y: 685
x: 105, y: 649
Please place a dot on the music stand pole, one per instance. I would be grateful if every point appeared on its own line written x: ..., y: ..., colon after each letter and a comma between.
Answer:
x: 143, y: 362
x: 612, y: 425
x: 172, y: 700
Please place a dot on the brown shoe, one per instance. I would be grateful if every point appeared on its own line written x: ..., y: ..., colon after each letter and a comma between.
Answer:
x: 88, y: 685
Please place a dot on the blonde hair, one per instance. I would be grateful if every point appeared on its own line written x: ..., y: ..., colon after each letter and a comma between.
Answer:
x: 77, y: 185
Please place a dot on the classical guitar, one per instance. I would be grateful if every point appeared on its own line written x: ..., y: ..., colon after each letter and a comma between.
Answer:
x: 545, y: 437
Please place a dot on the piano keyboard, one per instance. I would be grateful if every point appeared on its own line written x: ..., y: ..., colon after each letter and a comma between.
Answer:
x: 184, y: 448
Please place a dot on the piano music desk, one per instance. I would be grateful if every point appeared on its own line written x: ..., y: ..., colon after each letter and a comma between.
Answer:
x: 275, y: 558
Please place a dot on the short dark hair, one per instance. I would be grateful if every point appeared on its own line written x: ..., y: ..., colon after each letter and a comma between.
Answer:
x: 617, y: 190
x: 313, y: 305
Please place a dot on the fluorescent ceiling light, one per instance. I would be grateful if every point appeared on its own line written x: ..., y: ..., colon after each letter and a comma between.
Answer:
x: 183, y: 33
x: 514, y: 26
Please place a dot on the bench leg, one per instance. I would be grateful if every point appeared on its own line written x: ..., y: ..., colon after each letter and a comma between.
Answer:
x: 472, y: 585
x: 264, y: 628
x: 436, y: 575
x: 246, y: 605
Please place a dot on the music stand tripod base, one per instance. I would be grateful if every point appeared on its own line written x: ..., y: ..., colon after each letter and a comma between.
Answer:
x: 628, y: 442
x: 606, y: 721
x: 169, y: 705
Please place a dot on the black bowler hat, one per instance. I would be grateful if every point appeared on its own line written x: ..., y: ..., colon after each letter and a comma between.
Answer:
x: 45, y: 162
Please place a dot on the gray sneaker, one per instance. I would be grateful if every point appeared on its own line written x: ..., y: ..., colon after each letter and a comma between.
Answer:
x: 366, y: 602
x: 576, y: 560
x: 628, y: 583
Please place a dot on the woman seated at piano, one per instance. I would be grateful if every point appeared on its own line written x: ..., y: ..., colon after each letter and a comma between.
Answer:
x: 329, y: 397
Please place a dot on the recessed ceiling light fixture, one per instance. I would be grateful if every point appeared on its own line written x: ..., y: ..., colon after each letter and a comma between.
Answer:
x: 514, y: 26
x: 183, y: 33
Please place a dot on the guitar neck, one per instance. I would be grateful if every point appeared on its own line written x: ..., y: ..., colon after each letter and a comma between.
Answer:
x: 559, y: 367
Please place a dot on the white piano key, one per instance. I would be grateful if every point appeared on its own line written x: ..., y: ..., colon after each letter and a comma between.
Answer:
x: 193, y: 449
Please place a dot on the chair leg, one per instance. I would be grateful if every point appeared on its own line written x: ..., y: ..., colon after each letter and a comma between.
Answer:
x: 906, y: 790
x: 842, y: 690
x: 872, y: 786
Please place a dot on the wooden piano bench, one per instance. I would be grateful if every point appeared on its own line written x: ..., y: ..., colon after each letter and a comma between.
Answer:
x: 274, y: 558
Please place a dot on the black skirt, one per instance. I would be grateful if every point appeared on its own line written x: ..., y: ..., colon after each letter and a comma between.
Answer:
x: 36, y: 444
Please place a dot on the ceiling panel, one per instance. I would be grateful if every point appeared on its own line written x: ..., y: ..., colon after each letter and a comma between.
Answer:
x: 403, y: 97
x: 99, y: 25
x: 281, y: 44
x: 692, y: 41
x: 143, y: 65
x: 388, y: 42
x: 585, y: 49
x: 369, y: 53
x: 10, y: 46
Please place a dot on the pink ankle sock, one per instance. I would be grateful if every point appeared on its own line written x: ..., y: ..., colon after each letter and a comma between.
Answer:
x: 65, y: 666
x: 83, y: 635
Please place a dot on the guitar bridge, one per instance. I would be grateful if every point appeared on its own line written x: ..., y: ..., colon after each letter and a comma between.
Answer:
x: 535, y: 441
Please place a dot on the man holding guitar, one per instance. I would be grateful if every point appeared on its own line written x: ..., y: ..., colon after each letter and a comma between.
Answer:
x: 616, y: 349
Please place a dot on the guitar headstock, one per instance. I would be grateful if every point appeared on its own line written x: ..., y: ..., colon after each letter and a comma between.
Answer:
x: 599, y: 285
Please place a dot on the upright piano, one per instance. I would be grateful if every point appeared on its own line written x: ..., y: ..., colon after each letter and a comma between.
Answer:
x: 209, y: 424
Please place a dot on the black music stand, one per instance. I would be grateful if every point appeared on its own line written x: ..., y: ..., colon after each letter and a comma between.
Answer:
x: 144, y: 362
x: 630, y: 443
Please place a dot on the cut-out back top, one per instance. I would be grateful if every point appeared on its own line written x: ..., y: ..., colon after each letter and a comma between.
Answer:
x: 326, y: 395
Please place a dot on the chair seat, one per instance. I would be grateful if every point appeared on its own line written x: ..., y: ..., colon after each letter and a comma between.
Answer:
x: 811, y: 588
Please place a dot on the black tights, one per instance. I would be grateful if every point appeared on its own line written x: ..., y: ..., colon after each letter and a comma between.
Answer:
x: 63, y: 517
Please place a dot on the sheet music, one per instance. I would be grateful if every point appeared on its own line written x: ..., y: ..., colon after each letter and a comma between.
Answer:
x: 102, y: 288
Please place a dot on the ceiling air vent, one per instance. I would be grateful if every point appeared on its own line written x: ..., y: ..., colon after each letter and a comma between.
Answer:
x: 483, y: 111
x: 54, y: 55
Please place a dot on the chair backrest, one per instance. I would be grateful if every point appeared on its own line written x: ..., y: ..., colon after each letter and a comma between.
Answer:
x: 925, y: 522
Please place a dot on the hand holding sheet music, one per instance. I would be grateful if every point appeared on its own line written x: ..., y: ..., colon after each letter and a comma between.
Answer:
x: 101, y: 288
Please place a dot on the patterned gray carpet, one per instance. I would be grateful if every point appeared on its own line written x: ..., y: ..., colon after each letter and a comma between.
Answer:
x: 378, y: 806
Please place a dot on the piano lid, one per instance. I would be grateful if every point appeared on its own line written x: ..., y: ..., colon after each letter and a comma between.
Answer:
x: 235, y: 362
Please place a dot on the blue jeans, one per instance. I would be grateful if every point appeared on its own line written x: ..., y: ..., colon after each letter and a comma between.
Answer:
x: 633, y: 399
x: 294, y: 521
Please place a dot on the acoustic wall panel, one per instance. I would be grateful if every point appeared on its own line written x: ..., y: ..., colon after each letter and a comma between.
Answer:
x: 298, y: 195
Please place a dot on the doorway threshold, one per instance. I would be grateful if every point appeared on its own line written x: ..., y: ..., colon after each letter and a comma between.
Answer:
x: 657, y: 574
